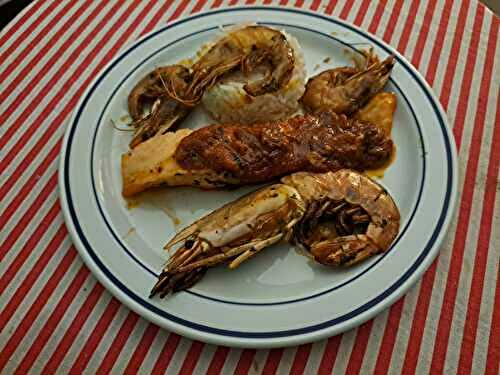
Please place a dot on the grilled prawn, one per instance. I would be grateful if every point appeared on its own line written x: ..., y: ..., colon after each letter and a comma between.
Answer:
x: 341, y: 218
x: 174, y: 90
x: 347, y: 89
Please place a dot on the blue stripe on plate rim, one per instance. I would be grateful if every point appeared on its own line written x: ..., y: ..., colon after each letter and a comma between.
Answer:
x: 242, y: 334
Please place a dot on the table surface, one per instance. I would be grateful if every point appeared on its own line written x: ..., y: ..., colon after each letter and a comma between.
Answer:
x: 55, y: 316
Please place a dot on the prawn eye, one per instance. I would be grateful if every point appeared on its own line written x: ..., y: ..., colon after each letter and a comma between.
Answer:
x: 188, y: 244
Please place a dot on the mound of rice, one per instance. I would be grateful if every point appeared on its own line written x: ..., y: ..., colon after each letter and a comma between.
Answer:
x: 227, y: 101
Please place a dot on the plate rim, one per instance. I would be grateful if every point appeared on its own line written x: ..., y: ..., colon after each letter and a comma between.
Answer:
x: 394, y: 292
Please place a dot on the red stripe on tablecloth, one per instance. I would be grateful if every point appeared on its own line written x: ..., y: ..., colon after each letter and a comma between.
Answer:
x: 315, y: 4
x: 178, y: 11
x: 282, y: 2
x: 331, y: 6
x: 453, y: 58
x: 359, y: 349
x: 233, y: 2
x: 377, y: 16
x: 245, y: 361
x: 483, y: 243
x: 424, y: 32
x: 118, y: 343
x: 493, y: 355
x: 95, y: 337
x: 391, y: 25
x: 48, y: 87
x: 455, y: 268
x: 273, y: 361
x: 111, y: 356
x: 35, y: 308
x: 218, y: 360
x: 361, y: 12
x: 157, y: 17
x: 27, y: 284
x: 33, y: 240
x: 249, y: 2
x: 439, y: 41
x: 76, y: 325
x: 363, y: 335
x: 64, y: 112
x: 300, y: 360
x: 346, y: 9
x: 422, y: 306
x: 142, y: 349
x: 329, y: 355
x: 216, y: 4
x: 13, y: 27
x: 52, y: 322
x: 299, y: 3
x: 42, y: 52
x: 408, y: 27
x: 192, y: 357
x: 21, y: 196
x: 166, y: 354
x: 29, y: 31
x: 389, y: 338
x: 198, y: 6
x: 467, y: 77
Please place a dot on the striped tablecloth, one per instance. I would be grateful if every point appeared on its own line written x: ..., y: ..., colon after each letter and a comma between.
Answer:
x: 55, y: 317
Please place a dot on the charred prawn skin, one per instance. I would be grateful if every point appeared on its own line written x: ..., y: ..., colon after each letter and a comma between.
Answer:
x: 345, y: 90
x: 341, y: 218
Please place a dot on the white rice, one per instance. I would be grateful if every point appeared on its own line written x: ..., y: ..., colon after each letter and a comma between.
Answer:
x: 227, y: 101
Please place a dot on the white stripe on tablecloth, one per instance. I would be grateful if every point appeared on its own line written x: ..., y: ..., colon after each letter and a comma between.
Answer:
x: 129, y: 347
x: 154, y: 352
x: 345, y: 349
x: 99, y: 355
x: 145, y: 21
x: 38, y: 323
x: 25, y: 269
x: 373, y: 346
x: 179, y: 356
x: 41, y: 181
x: 204, y: 360
x: 64, y: 78
x: 493, y: 261
x: 31, y: 82
x: 65, y: 322
x: 400, y: 23
x: 342, y: 356
x: 286, y: 361
x: 405, y: 325
x: 453, y: 351
x: 30, y: 296
x: 491, y: 282
x: 314, y: 360
x: 231, y: 361
x: 61, y: 29
x: 8, y: 29
x: 30, y: 37
x: 464, y: 282
x: 86, y: 330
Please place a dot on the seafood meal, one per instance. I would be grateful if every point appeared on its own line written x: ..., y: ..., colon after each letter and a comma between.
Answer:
x: 311, y: 139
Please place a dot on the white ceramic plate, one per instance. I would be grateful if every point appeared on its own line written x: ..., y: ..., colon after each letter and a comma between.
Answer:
x: 280, y: 297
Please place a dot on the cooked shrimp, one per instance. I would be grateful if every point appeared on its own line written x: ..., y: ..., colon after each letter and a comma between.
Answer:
x: 165, y: 111
x: 341, y: 217
x: 346, y: 89
x: 244, y: 48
